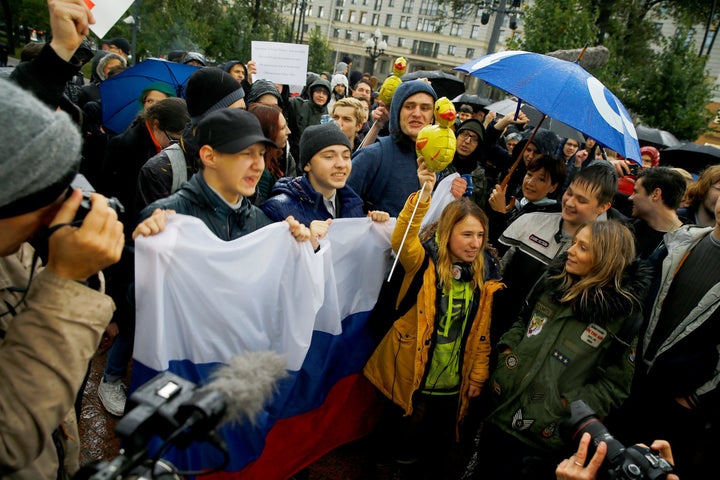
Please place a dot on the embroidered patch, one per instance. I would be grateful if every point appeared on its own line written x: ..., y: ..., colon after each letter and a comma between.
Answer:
x: 549, y: 431
x: 519, y: 423
x: 593, y: 335
x: 545, y: 310
x: 536, y: 393
x: 561, y: 357
x: 536, y: 324
x: 539, y: 241
x: 511, y: 361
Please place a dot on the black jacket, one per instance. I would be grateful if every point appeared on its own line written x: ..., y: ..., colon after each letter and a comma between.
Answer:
x: 196, y: 198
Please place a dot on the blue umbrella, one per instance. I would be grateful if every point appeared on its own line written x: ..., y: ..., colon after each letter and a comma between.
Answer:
x: 120, y: 93
x: 562, y: 90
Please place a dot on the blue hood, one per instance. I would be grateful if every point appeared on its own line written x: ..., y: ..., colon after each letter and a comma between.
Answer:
x: 403, y: 91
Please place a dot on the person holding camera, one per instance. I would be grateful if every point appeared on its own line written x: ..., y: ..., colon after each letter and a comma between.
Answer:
x: 51, y: 320
x: 574, y: 339
x: 577, y: 466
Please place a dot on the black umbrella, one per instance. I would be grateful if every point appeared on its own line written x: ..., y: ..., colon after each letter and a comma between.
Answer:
x: 444, y: 84
x: 692, y: 157
x: 655, y: 137
x: 476, y: 101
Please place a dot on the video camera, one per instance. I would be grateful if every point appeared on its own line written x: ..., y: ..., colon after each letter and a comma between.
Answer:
x: 631, y: 463
x: 180, y: 413
x: 172, y: 408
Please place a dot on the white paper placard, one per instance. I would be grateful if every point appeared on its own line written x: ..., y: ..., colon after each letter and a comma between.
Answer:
x: 282, y: 63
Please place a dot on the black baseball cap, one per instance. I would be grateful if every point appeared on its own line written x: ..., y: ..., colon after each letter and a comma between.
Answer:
x: 230, y: 130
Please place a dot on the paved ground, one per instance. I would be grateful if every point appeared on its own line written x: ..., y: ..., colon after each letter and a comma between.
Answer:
x: 99, y: 440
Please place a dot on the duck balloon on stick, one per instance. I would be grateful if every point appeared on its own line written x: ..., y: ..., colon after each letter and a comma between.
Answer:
x: 436, y: 143
x: 388, y: 87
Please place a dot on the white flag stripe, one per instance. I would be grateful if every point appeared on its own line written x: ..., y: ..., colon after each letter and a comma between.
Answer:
x: 205, y: 300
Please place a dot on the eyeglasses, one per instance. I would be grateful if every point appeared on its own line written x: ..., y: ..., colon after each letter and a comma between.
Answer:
x: 171, y: 138
x: 465, y: 135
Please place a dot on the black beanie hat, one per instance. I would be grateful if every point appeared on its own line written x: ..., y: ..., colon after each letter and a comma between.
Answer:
x: 262, y: 87
x: 473, y: 125
x: 317, y: 137
x: 209, y: 89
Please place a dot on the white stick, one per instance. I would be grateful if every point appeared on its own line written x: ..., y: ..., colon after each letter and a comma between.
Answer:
x: 402, y: 242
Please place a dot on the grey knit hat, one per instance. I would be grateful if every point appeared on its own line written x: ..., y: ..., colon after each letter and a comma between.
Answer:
x: 317, y: 137
x: 41, y: 152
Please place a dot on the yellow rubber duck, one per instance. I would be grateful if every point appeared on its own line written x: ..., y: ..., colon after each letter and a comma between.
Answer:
x: 388, y: 87
x: 436, y: 143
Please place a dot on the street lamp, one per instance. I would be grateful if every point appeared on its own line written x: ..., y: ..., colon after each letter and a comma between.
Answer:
x: 501, y: 8
x: 375, y: 47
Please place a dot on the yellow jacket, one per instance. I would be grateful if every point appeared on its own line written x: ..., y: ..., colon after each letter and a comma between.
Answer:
x: 398, y: 364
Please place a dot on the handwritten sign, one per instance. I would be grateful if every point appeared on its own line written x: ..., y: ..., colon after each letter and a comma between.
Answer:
x: 283, y: 63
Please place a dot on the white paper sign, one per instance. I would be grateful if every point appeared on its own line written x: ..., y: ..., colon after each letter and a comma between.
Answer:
x: 282, y: 63
x: 107, y: 13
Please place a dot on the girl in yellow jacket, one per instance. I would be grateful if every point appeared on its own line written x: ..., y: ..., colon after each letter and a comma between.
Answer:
x: 435, y: 358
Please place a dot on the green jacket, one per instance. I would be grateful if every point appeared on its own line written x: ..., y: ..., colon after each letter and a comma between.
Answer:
x: 560, y: 351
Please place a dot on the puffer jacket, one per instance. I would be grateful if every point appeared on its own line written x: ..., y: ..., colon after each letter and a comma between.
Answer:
x: 397, y: 367
x: 196, y: 198
x: 297, y: 197
x: 303, y: 113
x: 49, y: 340
x: 568, y: 351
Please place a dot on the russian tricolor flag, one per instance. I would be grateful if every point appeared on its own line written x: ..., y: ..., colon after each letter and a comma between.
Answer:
x: 201, y: 300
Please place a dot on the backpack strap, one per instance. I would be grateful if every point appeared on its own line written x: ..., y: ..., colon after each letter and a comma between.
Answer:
x: 178, y: 165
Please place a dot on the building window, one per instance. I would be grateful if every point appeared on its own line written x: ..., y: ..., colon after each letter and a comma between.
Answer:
x: 375, y: 19
x: 365, y: 2
x: 401, y: 42
x: 348, y: 34
x: 428, y: 7
x: 391, y: 3
x: 378, y: 5
x: 470, y: 53
x: 475, y: 31
x: 427, y: 49
x: 353, y: 2
x: 352, y: 18
x: 451, y: 49
x: 361, y: 37
x: 339, y: 15
x: 388, y: 20
x: 339, y: 3
x: 363, y: 18
x: 336, y: 33
x: 404, y: 22
x: 456, y: 29
x: 408, y: 6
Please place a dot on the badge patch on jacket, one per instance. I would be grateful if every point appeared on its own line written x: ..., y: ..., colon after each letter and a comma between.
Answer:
x: 536, y: 324
x: 593, y: 335
x: 519, y: 423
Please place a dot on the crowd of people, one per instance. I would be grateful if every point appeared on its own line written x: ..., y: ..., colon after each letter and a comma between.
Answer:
x: 558, y: 273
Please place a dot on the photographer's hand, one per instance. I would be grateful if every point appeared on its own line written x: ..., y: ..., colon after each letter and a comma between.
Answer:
x: 78, y: 253
x: 574, y: 468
